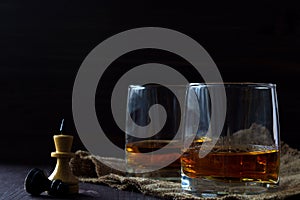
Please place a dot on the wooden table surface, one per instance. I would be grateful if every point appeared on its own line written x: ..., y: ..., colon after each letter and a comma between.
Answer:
x: 12, y: 180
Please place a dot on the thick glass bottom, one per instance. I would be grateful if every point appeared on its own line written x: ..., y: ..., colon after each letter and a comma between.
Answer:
x: 205, y: 187
x: 163, y: 175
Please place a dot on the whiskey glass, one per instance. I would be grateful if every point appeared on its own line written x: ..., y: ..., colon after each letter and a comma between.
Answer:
x: 237, y: 152
x: 153, y: 131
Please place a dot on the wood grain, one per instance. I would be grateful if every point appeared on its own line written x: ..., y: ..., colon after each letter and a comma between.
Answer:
x: 12, y: 180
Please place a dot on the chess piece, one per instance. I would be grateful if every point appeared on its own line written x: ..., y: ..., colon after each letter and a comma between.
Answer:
x: 62, y: 171
x: 36, y: 182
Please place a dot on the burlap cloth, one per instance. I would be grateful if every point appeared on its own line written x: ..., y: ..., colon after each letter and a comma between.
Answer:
x: 89, y: 168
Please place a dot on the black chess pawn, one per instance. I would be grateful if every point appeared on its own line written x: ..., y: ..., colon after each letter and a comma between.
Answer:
x: 37, y: 182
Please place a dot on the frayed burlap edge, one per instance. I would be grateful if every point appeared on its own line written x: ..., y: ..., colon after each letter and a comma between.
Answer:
x: 90, y: 168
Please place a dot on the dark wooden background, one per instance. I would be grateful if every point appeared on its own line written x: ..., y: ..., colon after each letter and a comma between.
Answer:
x: 43, y: 43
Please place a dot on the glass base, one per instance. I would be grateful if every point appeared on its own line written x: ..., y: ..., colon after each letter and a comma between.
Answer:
x: 162, y: 175
x: 211, y: 188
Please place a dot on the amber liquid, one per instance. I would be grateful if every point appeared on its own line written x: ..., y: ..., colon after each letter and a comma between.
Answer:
x: 137, y: 160
x: 259, y: 164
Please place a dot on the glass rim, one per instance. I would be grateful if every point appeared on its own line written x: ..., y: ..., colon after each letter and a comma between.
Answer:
x: 205, y: 84
x: 235, y: 84
x: 137, y: 86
